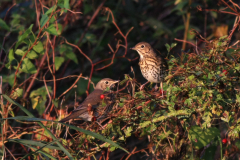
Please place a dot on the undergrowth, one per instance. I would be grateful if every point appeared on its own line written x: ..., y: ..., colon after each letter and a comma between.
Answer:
x: 198, y: 117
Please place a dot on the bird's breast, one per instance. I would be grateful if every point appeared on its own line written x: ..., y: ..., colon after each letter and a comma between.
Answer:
x: 150, y: 68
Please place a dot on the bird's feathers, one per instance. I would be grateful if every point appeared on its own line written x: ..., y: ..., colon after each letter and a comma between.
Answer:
x: 94, y: 100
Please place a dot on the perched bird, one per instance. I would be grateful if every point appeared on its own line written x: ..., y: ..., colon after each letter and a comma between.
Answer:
x: 153, y: 67
x: 89, y: 108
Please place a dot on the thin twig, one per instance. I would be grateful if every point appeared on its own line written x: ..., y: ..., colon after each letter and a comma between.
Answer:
x: 71, y: 86
x: 34, y: 76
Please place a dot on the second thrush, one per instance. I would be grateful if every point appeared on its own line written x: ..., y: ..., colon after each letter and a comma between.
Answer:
x: 153, y: 67
x: 89, y: 108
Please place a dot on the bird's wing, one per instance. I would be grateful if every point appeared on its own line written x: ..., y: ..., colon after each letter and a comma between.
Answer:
x: 161, y: 61
x: 163, y: 66
x: 82, y: 110
x: 93, y: 99
x: 73, y: 115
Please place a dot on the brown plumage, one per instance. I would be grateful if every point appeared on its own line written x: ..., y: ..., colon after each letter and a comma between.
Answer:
x: 153, y: 67
x: 89, y: 108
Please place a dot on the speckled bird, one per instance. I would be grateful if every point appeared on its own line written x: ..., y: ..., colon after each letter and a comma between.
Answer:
x: 153, y: 67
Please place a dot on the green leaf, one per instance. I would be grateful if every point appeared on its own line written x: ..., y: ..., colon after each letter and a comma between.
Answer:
x: 59, y: 30
x: 35, y: 143
x: 28, y: 67
x: 58, y: 62
x: 201, y: 137
x: 39, y: 97
x: 16, y: 21
x: 226, y: 117
x: 168, y: 47
x: 188, y: 101
x: 210, y: 75
x: 19, y: 52
x: 223, y: 37
x: 238, y: 98
x: 191, y: 77
x: 72, y: 56
x: 179, y: 5
x: 11, y: 55
x: 9, y: 79
x: 55, y: 102
x: 176, y: 89
x: 139, y: 94
x: 173, y: 45
x: 18, y: 93
x: 145, y: 123
x: 52, y: 9
x: 67, y: 51
x: 89, y: 37
x: 66, y: 4
x: 128, y: 131
x: 214, y: 14
x: 43, y: 20
x: 3, y: 25
x: 52, y: 30
x: 41, y: 92
x: 10, y: 58
x: 237, y: 67
x: 209, y: 153
x: 27, y: 118
x: 39, y: 48
x: 30, y: 55
x: 24, y: 36
x: 112, y: 149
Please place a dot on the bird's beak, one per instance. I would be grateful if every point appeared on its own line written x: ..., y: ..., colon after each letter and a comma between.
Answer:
x: 133, y: 48
x: 114, y: 82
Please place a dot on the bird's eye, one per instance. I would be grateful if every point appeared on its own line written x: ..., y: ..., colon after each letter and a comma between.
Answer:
x: 106, y: 82
x: 142, y: 46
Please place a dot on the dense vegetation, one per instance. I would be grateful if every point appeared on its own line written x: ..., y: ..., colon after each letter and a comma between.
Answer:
x: 53, y: 52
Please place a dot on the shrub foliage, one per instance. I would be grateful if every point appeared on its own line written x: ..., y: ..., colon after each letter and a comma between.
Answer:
x: 196, y: 119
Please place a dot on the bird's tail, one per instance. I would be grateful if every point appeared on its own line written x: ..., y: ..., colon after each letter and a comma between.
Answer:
x: 76, y: 114
x: 66, y: 119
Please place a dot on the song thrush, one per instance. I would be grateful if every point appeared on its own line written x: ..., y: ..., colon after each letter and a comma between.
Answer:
x: 90, y: 107
x: 153, y: 67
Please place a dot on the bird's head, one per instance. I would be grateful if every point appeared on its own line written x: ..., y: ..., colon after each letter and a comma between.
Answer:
x: 106, y: 82
x: 144, y: 49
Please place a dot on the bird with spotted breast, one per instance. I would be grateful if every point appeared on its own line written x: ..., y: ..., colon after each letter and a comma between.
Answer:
x: 89, y: 109
x: 154, y: 68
